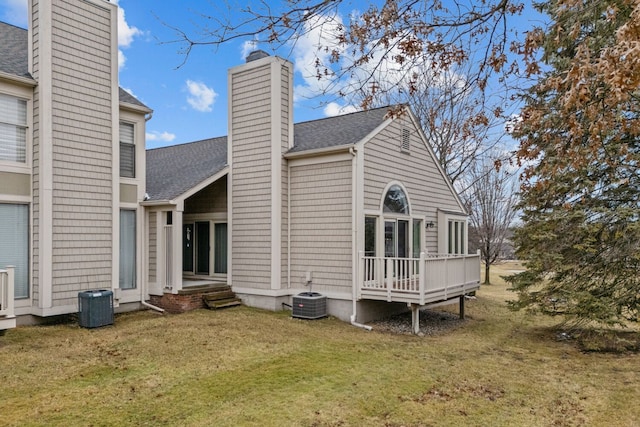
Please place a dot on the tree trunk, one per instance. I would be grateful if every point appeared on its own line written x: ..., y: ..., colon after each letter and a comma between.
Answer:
x: 487, y: 266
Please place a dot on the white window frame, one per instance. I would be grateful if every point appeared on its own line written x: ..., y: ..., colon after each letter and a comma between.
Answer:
x: 17, y: 297
x: 453, y: 235
x: 130, y: 146
x: 136, y: 243
x: 24, y: 94
x: 382, y: 217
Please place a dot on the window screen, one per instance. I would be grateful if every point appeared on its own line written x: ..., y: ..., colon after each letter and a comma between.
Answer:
x: 14, y: 244
x: 127, y: 151
x: 13, y: 129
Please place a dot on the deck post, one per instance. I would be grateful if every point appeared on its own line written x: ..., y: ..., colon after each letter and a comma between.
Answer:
x: 415, y: 318
x: 462, y: 297
x: 422, y: 272
x: 361, y: 275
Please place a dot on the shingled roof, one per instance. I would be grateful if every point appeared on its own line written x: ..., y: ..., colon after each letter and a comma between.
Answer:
x: 13, y: 50
x: 173, y: 170
x: 14, y: 57
x: 347, y: 129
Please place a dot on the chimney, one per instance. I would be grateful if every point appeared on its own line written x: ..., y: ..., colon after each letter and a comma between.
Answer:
x: 260, y: 132
x: 256, y: 54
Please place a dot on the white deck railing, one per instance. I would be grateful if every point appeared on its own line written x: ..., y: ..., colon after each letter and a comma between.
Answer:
x: 7, y: 315
x: 423, y: 280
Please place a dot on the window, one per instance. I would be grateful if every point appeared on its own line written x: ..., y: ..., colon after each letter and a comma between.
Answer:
x: 14, y: 244
x: 127, y: 249
x: 220, y: 248
x: 396, y: 238
x: 370, y: 225
x: 457, y: 240
x: 406, y: 141
x: 395, y: 201
x: 127, y: 151
x: 13, y: 129
x: 417, y: 232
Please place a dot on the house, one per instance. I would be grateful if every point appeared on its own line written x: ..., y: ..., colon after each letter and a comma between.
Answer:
x: 72, y: 163
x: 353, y: 207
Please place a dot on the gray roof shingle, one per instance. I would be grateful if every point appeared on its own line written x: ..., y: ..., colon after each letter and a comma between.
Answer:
x: 173, y: 170
x: 347, y: 129
x: 14, y: 57
x: 13, y: 50
x: 125, y: 96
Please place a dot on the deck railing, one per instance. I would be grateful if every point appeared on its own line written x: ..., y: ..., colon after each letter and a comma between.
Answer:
x: 430, y: 278
x: 7, y: 315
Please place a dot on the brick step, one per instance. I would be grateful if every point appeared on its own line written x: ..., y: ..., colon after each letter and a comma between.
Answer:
x: 222, y: 303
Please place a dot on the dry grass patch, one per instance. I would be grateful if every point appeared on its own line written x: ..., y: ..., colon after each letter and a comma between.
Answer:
x: 243, y: 366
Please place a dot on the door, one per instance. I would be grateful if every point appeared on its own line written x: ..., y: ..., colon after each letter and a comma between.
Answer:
x: 220, y: 248
x: 396, y: 245
x: 187, y: 247
x: 202, y: 248
x: 396, y: 238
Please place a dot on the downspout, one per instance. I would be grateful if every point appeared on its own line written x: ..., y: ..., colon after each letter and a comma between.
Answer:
x: 288, y: 225
x: 354, y: 240
x: 147, y: 117
x: 152, y: 307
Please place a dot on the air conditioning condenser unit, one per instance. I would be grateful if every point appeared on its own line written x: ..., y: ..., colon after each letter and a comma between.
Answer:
x: 309, y: 305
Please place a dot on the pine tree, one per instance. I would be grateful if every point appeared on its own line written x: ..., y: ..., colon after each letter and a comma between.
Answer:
x: 580, y: 145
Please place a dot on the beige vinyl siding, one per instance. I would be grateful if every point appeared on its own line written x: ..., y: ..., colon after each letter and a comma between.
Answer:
x: 285, y: 118
x: 212, y: 199
x: 35, y: 172
x: 416, y: 170
x: 82, y: 151
x: 251, y: 183
x: 153, y: 246
x: 321, y: 222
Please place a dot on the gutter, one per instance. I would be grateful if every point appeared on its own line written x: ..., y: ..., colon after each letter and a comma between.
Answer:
x: 24, y: 81
x: 319, y: 152
x: 158, y: 203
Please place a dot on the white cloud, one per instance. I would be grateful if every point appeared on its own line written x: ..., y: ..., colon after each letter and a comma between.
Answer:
x: 316, y: 42
x: 247, y: 47
x: 160, y: 136
x: 126, y: 34
x: 15, y: 12
x: 201, y: 97
x: 319, y: 31
x: 335, y: 109
x: 121, y: 60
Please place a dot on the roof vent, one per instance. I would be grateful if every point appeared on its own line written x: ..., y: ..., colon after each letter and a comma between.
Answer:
x: 257, y: 54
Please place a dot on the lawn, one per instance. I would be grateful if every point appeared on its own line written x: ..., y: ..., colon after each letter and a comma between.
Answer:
x: 244, y: 366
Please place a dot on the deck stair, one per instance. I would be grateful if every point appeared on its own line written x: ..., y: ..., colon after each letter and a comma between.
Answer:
x: 221, y: 298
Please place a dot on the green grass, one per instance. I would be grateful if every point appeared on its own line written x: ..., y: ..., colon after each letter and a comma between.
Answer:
x: 244, y: 366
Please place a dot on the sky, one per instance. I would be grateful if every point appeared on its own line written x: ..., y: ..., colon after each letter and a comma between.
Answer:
x: 189, y: 98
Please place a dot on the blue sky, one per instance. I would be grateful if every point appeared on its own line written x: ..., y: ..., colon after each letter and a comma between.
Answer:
x: 189, y: 99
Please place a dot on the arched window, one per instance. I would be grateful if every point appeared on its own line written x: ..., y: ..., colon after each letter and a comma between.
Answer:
x: 395, y: 201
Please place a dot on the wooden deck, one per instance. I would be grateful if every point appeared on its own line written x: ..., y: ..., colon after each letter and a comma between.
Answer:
x: 421, y: 281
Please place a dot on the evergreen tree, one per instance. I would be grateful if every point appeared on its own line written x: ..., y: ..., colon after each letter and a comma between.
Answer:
x: 580, y: 145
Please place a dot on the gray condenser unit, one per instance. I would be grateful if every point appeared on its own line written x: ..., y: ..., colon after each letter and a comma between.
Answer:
x: 309, y: 305
x: 95, y: 308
